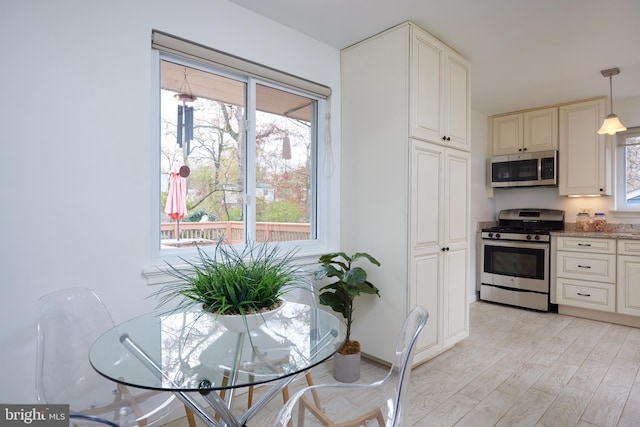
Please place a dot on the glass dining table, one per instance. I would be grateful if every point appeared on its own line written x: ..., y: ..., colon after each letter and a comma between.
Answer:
x: 190, y: 351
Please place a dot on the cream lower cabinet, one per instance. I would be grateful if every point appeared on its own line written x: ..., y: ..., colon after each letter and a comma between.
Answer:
x: 439, y: 251
x: 586, y: 273
x: 628, y: 285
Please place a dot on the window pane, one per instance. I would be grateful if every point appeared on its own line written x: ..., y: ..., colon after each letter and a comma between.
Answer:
x: 632, y: 171
x: 202, y: 130
x: 284, y: 135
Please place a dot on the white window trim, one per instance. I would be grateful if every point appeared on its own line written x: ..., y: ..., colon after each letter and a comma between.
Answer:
x: 308, y: 251
x: 622, y: 210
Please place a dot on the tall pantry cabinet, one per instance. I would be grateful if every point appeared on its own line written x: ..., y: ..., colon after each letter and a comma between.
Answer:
x: 405, y: 185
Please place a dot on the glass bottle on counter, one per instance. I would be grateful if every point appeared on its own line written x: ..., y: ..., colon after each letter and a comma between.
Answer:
x: 599, y: 221
x: 583, y: 223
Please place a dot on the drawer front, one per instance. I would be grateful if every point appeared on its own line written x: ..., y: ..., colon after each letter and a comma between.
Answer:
x: 595, y: 296
x: 595, y: 267
x: 629, y: 247
x: 604, y: 246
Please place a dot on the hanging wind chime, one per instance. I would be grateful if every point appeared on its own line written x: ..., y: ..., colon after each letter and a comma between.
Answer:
x: 185, y: 116
x: 286, y: 151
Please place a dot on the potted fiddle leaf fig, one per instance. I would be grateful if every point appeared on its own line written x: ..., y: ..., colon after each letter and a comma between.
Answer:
x: 349, y: 281
x: 240, y: 287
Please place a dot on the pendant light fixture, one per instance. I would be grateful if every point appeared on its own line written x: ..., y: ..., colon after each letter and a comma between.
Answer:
x: 612, y: 123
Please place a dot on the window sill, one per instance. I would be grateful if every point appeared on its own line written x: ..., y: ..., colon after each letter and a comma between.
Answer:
x: 625, y: 213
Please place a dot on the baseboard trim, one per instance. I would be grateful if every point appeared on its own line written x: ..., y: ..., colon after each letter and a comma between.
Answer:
x: 602, y: 316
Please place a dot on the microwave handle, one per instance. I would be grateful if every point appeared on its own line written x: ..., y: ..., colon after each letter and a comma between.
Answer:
x: 539, y: 168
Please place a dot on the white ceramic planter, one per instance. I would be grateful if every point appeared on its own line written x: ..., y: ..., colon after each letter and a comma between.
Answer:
x: 249, y: 322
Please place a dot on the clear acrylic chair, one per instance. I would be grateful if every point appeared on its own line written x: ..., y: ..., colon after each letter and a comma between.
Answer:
x: 69, y: 321
x: 380, y: 403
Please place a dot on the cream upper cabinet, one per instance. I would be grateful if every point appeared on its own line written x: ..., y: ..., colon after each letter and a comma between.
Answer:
x: 439, y: 92
x: 507, y: 134
x: 541, y: 129
x: 457, y: 105
x: 584, y: 156
x: 404, y: 191
x: 534, y: 130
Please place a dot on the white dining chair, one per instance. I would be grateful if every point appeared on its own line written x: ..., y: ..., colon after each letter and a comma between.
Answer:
x: 357, y: 404
x: 69, y: 321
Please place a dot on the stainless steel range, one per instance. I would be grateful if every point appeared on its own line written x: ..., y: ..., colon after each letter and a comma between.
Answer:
x: 515, y: 257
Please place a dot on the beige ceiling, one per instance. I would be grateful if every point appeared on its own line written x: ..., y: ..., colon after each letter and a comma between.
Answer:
x: 523, y: 53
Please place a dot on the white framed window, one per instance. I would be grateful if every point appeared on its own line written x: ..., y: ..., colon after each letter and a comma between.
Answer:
x: 627, y: 196
x: 243, y: 139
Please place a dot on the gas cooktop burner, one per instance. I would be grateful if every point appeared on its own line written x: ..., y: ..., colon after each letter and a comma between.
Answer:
x: 525, y: 224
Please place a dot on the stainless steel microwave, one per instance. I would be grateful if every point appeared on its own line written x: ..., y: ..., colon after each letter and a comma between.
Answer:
x: 525, y: 170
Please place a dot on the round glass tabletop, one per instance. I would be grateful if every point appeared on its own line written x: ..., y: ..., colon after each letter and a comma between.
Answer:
x: 192, y: 350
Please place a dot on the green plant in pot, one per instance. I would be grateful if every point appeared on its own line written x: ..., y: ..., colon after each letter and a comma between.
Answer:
x: 233, y: 282
x: 350, y: 281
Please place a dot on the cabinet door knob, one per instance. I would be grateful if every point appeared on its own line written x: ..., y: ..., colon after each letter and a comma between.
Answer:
x: 448, y: 138
x: 524, y: 149
x: 444, y: 138
x: 519, y: 149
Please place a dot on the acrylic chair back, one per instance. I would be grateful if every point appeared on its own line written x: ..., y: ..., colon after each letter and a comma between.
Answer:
x: 357, y: 404
x: 69, y: 321
x: 405, y: 349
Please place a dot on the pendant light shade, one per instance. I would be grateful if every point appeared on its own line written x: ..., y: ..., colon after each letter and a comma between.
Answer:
x: 612, y: 123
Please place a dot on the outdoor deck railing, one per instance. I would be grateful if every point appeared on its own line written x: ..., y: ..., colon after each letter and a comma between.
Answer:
x: 234, y: 231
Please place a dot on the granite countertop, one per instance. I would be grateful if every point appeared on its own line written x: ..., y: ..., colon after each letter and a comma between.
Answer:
x: 611, y: 231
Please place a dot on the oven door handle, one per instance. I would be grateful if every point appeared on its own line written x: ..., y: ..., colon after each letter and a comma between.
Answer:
x: 513, y: 244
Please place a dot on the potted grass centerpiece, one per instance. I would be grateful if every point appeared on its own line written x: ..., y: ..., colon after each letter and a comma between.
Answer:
x: 241, y: 287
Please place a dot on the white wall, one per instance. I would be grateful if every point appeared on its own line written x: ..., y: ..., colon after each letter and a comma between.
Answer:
x: 482, y: 208
x: 76, y: 143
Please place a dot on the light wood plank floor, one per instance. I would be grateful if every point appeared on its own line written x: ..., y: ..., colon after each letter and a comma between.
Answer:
x: 518, y: 368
